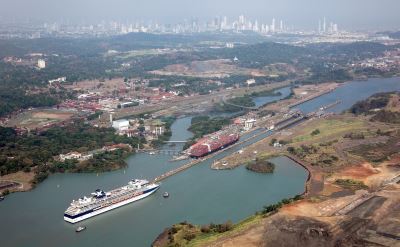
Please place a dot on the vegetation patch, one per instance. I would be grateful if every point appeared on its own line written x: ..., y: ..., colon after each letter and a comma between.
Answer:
x: 376, y: 101
x: 387, y: 117
x: 266, y: 93
x: 315, y: 132
x: 261, y: 166
x: 245, y: 101
x: 378, y: 106
x: 316, y: 154
x: 378, y: 152
x: 351, y: 184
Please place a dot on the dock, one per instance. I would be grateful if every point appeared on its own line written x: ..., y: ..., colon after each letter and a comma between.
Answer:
x: 311, y: 97
x: 177, y: 170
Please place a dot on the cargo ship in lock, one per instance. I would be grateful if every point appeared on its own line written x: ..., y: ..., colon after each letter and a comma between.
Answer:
x: 100, y: 202
x: 212, y: 144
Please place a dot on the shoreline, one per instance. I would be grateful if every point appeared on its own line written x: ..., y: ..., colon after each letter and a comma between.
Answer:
x: 301, y: 163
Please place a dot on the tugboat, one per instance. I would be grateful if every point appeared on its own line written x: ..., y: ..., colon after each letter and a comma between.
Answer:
x: 80, y: 228
x: 166, y: 194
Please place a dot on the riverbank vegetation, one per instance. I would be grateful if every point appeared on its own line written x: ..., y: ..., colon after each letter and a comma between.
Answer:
x: 203, y: 125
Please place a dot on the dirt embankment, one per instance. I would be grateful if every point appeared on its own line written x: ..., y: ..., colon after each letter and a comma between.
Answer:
x: 19, y: 181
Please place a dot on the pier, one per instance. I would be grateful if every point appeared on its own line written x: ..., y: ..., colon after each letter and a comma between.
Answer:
x: 177, y: 170
x: 160, y: 151
x: 311, y: 97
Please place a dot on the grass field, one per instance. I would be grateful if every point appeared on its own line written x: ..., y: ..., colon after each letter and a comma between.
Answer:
x: 39, y: 117
x: 329, y: 128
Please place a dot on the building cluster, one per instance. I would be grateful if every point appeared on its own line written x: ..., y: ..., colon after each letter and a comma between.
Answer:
x: 25, y: 61
x: 89, y: 155
x: 93, y: 101
x: 245, y: 122
x: 89, y: 106
x: 324, y: 27
x: 151, y: 129
x: 108, y: 28
x: 389, y: 61
x: 194, y: 25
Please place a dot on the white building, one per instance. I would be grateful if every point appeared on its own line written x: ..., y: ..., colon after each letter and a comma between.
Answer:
x: 229, y: 45
x: 70, y: 156
x: 250, y: 82
x: 249, y: 123
x: 121, y: 124
x: 41, y: 64
x: 59, y: 80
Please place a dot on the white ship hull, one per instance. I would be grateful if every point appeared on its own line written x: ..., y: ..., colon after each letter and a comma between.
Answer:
x: 106, y: 209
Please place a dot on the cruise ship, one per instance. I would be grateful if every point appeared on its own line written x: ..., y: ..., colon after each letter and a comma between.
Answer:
x: 100, y: 202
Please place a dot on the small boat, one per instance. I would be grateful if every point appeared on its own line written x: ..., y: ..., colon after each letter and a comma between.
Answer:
x: 152, y: 153
x: 166, y: 194
x: 80, y: 228
x: 2, y: 198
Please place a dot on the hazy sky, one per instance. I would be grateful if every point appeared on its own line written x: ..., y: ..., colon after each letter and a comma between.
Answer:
x: 355, y: 14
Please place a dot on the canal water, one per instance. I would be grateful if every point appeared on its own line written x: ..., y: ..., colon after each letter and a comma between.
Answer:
x: 199, y: 195
x: 351, y: 92
x: 262, y: 100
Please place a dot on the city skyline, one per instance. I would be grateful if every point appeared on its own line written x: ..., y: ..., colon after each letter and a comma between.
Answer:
x: 301, y: 14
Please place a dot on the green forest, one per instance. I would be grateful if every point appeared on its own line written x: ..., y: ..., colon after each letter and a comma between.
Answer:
x: 37, y: 150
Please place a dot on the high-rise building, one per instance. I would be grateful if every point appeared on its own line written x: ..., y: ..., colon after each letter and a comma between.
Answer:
x: 224, y: 24
x: 324, y: 25
x: 319, y: 26
x: 335, y: 28
x: 273, y: 25
x: 255, y: 27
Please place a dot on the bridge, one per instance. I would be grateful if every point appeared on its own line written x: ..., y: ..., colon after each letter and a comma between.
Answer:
x: 175, y: 141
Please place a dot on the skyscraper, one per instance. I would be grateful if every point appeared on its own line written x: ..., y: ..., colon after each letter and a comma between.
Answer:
x: 319, y: 26
x: 273, y: 25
